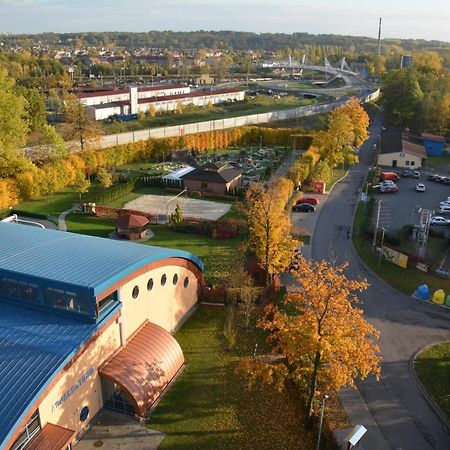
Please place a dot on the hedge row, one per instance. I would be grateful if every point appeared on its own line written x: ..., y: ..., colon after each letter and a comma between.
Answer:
x: 37, y: 181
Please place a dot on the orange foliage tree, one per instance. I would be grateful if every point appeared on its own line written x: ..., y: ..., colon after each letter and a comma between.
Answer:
x: 321, y: 340
x: 270, y: 226
x: 359, y: 118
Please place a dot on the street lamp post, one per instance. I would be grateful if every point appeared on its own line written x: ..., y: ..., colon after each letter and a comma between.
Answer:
x: 325, y: 397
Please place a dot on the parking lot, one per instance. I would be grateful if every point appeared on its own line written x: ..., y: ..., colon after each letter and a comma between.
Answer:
x: 401, y: 209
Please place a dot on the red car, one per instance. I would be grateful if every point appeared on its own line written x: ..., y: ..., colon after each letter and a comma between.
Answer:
x: 389, y: 190
x: 309, y: 200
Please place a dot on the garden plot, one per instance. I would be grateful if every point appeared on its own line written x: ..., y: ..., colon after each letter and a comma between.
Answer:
x: 199, y: 209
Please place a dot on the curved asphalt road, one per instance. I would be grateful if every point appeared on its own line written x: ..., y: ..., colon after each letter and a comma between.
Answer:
x: 406, y: 325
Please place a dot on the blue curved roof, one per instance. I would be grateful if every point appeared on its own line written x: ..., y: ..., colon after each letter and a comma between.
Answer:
x: 34, y: 347
x: 85, y: 261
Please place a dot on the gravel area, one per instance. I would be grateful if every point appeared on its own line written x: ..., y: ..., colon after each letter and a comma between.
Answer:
x: 201, y: 209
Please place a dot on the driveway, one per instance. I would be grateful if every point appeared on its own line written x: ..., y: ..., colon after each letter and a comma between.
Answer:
x: 113, y: 431
x: 395, y: 403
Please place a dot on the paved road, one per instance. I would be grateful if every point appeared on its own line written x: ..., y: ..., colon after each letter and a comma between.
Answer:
x: 395, y: 403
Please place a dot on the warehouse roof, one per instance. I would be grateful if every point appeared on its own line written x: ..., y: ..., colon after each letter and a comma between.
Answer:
x: 84, y: 261
x: 34, y: 347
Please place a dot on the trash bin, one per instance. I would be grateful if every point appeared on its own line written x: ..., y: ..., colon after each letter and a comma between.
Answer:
x: 439, y: 297
x: 422, y: 292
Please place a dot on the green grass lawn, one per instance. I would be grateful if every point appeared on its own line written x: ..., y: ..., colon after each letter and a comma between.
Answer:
x: 432, y: 367
x: 439, y: 162
x: 220, y: 256
x: 209, y: 407
x: 405, y: 280
x: 91, y: 225
x: 56, y: 203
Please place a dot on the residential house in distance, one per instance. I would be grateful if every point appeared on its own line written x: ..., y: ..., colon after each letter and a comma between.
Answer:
x: 399, y: 149
x: 213, y: 177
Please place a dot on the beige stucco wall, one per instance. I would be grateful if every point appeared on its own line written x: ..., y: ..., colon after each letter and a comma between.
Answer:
x: 89, y: 393
x: 387, y: 158
x: 164, y: 305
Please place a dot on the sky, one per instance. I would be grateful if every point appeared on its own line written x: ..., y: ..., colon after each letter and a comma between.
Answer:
x: 416, y: 19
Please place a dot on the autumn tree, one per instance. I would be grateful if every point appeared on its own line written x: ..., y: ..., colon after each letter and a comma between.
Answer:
x: 104, y: 177
x: 335, y: 143
x: 242, y: 291
x: 321, y: 340
x: 81, y: 184
x: 13, y: 127
x: 359, y: 118
x: 50, y: 146
x: 80, y: 126
x: 269, y: 227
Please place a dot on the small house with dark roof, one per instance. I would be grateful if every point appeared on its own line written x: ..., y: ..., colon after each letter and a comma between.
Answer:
x: 131, y: 227
x: 399, y: 149
x: 213, y: 178
x: 434, y: 145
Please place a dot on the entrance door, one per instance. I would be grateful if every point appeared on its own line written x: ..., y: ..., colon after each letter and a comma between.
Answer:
x: 394, y: 163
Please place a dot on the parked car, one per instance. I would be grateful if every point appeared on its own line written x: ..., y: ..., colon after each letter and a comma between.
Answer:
x: 416, y: 174
x: 388, y: 189
x: 440, y: 178
x: 387, y: 183
x: 309, y: 200
x: 420, y: 187
x: 446, y: 203
x: 444, y: 209
x: 406, y: 174
x: 446, y: 181
x: 438, y: 220
x: 304, y: 207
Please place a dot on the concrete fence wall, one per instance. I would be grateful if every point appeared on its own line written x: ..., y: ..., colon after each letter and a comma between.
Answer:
x: 112, y: 140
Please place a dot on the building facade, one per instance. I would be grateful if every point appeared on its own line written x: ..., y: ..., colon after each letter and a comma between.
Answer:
x: 399, y: 149
x: 86, y: 324
x: 134, y: 101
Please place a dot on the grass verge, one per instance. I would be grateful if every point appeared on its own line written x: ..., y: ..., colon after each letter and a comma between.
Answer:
x: 432, y: 367
x: 405, y: 280
x: 209, y: 406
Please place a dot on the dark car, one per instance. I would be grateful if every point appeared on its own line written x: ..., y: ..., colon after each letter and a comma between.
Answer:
x: 304, y: 207
x: 406, y: 174
x: 431, y: 178
x: 310, y: 200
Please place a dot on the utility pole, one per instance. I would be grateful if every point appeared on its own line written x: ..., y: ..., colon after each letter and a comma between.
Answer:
x: 377, y: 223
x: 379, y: 37
x: 423, y: 231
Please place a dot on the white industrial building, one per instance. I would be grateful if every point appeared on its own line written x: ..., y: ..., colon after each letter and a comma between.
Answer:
x: 108, y: 103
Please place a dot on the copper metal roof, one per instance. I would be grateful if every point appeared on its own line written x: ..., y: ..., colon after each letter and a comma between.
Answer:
x: 52, y: 437
x: 131, y: 221
x: 145, y: 366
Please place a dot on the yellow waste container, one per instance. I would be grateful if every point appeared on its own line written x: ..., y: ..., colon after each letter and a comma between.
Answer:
x: 439, y: 297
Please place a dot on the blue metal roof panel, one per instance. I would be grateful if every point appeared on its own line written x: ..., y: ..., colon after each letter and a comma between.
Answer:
x: 34, y: 347
x: 85, y: 261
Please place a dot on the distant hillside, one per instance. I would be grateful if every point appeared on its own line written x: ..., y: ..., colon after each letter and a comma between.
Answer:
x: 224, y: 40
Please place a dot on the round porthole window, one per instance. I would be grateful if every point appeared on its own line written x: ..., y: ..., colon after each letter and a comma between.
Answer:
x: 84, y: 413
x: 175, y: 279
x: 150, y: 284
x: 163, y: 280
x: 186, y: 282
x: 135, y: 292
